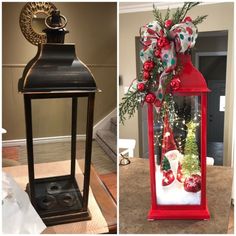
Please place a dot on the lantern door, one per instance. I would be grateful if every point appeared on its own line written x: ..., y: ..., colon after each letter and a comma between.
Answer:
x: 178, y: 154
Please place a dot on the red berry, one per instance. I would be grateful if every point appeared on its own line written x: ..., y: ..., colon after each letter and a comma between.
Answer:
x: 148, y: 65
x: 187, y: 19
x: 141, y: 87
x: 175, y: 84
x: 150, y: 98
x: 168, y: 23
x: 162, y: 42
x: 146, y: 75
x: 157, y: 53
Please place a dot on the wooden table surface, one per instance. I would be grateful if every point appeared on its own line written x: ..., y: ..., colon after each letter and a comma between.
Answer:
x: 135, y: 202
x: 104, y: 200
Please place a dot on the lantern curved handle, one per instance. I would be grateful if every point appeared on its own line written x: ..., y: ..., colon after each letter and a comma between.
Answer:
x: 56, y: 27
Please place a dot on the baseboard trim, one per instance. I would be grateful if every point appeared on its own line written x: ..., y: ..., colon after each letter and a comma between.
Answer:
x: 55, y: 139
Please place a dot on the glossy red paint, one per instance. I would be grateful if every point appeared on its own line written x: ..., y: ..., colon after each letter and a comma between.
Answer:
x: 192, y: 84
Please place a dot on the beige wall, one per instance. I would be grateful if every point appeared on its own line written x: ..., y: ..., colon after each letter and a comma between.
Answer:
x: 92, y: 28
x: 220, y: 17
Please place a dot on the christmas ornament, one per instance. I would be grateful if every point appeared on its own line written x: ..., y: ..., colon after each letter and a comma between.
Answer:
x: 187, y: 19
x: 193, y: 183
x: 168, y: 23
x: 175, y: 83
x: 141, y: 87
x: 157, y: 53
x: 146, y: 75
x: 148, y: 65
x: 150, y: 98
x: 162, y: 42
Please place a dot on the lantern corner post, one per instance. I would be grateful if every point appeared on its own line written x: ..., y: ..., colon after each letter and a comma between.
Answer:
x: 88, y: 149
x: 73, y: 134
x: 205, y: 212
x: 151, y: 163
x: 30, y: 188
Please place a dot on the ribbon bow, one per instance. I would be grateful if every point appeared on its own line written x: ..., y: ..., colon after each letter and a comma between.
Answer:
x: 156, y: 43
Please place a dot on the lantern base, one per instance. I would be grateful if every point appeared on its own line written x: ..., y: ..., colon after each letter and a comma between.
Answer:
x: 193, y: 214
x: 58, y: 200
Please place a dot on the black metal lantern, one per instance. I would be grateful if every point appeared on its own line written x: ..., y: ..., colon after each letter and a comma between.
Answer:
x: 56, y: 72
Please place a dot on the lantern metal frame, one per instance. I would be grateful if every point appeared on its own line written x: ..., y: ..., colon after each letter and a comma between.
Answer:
x: 82, y: 212
x: 161, y: 212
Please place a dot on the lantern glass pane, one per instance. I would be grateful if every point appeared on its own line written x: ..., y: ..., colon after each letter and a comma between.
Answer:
x: 177, y: 144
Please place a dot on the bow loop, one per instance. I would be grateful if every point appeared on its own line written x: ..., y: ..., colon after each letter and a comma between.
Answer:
x: 181, y: 37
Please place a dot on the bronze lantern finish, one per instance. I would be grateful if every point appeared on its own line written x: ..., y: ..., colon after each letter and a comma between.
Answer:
x: 56, y: 72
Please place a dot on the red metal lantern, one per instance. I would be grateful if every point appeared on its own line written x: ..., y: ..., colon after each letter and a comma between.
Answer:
x: 178, y: 182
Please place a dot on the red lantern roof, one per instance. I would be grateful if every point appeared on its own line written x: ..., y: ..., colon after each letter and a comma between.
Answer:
x: 191, y: 80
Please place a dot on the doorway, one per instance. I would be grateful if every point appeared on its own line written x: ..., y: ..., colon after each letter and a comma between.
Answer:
x: 210, y: 58
x: 213, y: 67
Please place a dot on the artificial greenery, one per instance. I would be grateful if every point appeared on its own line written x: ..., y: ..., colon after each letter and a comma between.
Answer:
x: 128, y: 105
x: 179, y: 15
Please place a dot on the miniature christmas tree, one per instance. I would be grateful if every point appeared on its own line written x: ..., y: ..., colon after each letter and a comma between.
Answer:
x: 190, y: 163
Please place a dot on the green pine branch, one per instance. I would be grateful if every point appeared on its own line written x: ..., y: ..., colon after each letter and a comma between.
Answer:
x: 179, y: 15
x: 158, y: 16
x: 129, y: 105
x: 199, y: 19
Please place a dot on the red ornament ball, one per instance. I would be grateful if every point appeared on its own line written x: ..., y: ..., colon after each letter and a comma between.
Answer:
x: 150, y: 98
x: 162, y: 42
x: 157, y: 53
x: 157, y: 103
x: 146, y: 75
x: 168, y: 177
x: 141, y: 87
x: 168, y: 23
x: 175, y: 83
x: 148, y: 65
x: 187, y: 19
x: 192, y: 183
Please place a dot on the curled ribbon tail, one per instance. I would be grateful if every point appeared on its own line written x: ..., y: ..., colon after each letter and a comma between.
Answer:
x: 169, y: 60
x: 148, y: 36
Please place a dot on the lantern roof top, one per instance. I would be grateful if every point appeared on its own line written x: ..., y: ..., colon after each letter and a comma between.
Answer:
x: 56, y: 68
x: 191, y: 80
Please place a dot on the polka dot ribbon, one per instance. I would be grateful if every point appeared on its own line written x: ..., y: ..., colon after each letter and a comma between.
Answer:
x: 183, y: 37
